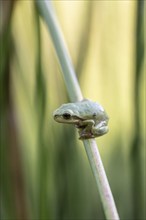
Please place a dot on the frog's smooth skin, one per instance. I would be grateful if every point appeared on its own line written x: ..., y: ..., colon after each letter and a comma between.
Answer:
x: 88, y: 116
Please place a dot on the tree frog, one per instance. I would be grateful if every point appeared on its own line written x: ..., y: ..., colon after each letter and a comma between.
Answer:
x: 88, y: 116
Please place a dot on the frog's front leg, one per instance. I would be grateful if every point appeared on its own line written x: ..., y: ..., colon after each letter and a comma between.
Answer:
x: 100, y: 129
x: 85, y: 129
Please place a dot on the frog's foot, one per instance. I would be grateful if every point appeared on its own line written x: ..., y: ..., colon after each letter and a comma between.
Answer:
x: 85, y: 135
x: 100, y: 131
x: 80, y: 127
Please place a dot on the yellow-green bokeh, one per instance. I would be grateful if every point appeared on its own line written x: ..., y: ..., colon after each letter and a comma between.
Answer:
x: 101, y: 37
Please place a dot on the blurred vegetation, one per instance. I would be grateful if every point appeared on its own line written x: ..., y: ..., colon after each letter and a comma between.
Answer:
x: 44, y: 170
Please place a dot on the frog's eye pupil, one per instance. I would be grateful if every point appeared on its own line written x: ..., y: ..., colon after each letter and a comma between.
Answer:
x: 66, y: 116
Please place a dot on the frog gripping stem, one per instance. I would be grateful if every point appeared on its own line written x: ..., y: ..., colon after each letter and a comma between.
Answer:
x: 88, y: 116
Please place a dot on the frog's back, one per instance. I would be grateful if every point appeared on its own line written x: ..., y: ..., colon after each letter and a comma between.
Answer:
x: 89, y: 109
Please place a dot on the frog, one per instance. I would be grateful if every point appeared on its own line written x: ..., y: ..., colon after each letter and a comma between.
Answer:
x: 89, y: 118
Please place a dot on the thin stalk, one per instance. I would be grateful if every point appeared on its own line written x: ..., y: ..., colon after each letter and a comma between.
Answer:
x: 101, y: 179
x: 69, y: 75
x: 75, y: 94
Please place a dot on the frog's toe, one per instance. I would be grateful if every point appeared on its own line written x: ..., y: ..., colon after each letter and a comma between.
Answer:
x: 86, y: 135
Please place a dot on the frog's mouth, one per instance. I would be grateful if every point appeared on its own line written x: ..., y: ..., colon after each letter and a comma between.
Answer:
x: 67, y: 118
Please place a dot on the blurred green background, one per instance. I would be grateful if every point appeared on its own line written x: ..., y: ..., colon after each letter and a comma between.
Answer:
x: 45, y: 173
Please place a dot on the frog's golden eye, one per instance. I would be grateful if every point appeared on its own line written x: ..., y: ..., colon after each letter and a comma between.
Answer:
x: 66, y: 116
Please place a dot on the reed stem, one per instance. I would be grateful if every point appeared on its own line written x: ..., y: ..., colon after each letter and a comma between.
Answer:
x: 73, y: 88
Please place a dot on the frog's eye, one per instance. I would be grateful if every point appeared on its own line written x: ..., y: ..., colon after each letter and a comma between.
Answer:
x: 66, y: 116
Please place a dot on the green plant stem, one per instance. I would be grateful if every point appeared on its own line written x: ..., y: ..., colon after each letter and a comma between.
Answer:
x: 61, y: 50
x: 101, y: 179
x: 75, y: 94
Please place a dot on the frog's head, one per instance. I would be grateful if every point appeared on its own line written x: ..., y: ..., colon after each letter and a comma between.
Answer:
x: 67, y: 113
